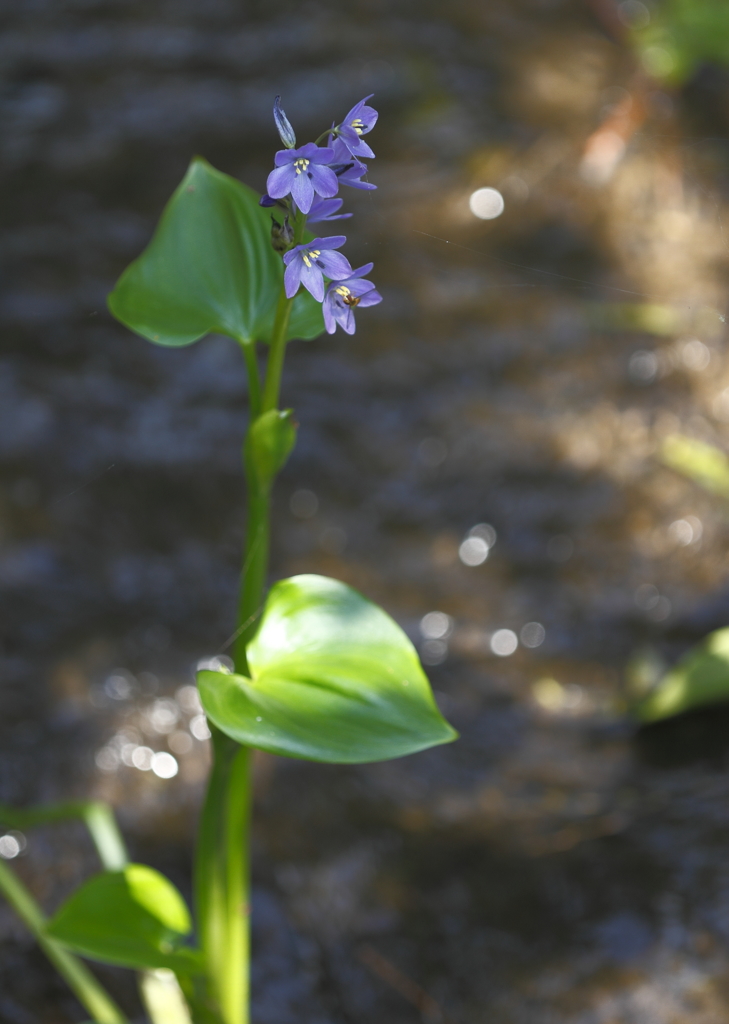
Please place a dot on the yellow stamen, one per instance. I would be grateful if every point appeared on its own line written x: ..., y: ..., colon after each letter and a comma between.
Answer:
x: 313, y: 253
x: 301, y: 164
x: 358, y: 125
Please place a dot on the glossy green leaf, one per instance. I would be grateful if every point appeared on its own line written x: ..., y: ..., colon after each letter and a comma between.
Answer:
x: 700, y: 678
x: 333, y: 678
x: 270, y: 441
x: 209, y: 268
x: 133, y: 918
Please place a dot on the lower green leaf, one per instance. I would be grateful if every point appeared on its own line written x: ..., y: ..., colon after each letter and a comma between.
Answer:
x: 333, y: 678
x: 132, y: 918
x: 700, y: 678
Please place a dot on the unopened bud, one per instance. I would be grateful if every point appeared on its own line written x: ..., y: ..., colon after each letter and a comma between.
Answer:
x: 284, y: 125
x: 282, y: 235
x: 269, y: 443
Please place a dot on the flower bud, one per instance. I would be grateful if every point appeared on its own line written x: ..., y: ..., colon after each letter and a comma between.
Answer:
x: 282, y: 235
x: 283, y: 124
x: 269, y: 443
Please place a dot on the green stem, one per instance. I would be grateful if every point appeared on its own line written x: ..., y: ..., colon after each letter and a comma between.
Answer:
x: 221, y: 879
x: 222, y: 885
x: 277, y: 352
x: 78, y: 977
x: 254, y: 383
x: 235, y: 996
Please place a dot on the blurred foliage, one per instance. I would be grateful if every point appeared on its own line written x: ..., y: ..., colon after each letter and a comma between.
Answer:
x: 700, y: 678
x: 675, y: 37
x: 649, y: 318
x: 699, y: 461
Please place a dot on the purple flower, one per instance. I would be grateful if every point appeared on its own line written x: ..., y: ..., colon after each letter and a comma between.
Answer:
x: 347, y: 169
x: 306, y: 264
x: 326, y: 209
x: 343, y: 296
x: 360, y: 120
x: 302, y: 172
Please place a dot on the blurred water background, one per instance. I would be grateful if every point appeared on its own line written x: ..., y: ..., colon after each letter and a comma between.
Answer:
x: 483, y: 458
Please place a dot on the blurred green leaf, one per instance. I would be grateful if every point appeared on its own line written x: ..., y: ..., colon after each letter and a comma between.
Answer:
x: 133, y: 918
x: 209, y: 268
x: 333, y: 679
x: 682, y: 34
x: 699, y: 461
x: 700, y: 678
x: 649, y: 318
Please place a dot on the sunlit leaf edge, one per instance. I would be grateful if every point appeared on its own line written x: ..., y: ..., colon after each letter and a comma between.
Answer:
x: 700, y: 679
x: 139, y: 954
x: 218, y: 689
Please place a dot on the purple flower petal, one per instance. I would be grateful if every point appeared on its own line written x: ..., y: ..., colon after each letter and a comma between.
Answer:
x: 347, y: 321
x: 332, y: 242
x: 292, y: 276
x: 303, y: 191
x: 370, y: 298
x: 312, y: 279
x: 326, y: 209
x: 364, y: 117
x: 320, y: 154
x: 279, y: 181
x: 329, y: 322
x: 334, y: 265
x: 362, y: 271
x: 285, y: 156
x: 324, y: 180
x: 356, y: 145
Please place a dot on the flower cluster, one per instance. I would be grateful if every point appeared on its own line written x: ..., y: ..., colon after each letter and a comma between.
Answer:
x: 304, y: 183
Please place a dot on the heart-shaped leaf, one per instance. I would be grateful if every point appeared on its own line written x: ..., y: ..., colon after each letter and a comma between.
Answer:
x: 209, y: 268
x: 700, y: 678
x: 133, y: 918
x: 333, y: 678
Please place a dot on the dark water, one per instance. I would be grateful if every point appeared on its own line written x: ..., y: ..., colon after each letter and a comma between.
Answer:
x: 550, y: 866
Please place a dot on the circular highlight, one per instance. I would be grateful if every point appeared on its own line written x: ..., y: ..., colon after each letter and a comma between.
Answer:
x: 164, y: 765
x: 486, y: 203
x: 504, y: 642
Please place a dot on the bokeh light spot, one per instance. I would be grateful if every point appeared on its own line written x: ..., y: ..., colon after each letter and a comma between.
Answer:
x: 164, y: 765
x: 486, y: 203
x: 533, y: 634
x: 436, y: 626
x: 473, y: 551
x: 504, y: 642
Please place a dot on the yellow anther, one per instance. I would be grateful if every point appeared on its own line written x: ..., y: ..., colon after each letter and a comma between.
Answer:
x: 357, y: 125
x: 312, y: 254
x: 342, y: 290
x: 301, y: 164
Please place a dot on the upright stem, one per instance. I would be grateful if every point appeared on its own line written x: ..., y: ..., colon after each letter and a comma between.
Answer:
x: 222, y: 871
x: 79, y: 978
x: 254, y: 382
x: 278, y: 337
x: 277, y: 353
x: 222, y: 879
